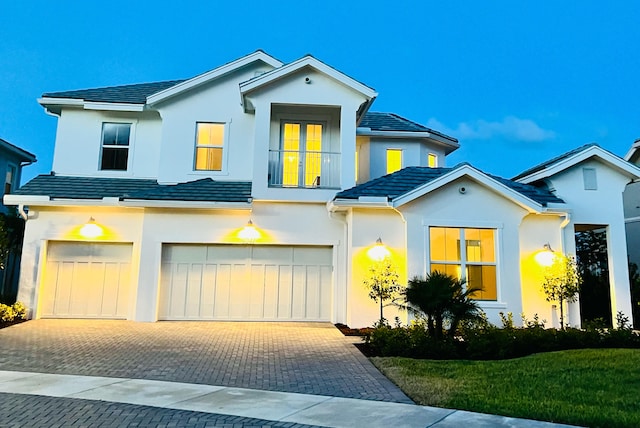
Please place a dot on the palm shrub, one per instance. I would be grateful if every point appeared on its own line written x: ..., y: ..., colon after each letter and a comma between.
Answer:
x: 439, y: 297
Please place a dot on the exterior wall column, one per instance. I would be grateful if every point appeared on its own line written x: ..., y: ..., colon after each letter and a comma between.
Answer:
x: 618, y: 271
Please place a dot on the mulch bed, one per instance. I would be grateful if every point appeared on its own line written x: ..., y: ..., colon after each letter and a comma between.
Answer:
x: 347, y: 331
x: 4, y: 324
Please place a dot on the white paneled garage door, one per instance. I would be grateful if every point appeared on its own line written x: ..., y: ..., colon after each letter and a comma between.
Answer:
x: 86, y: 280
x: 238, y: 282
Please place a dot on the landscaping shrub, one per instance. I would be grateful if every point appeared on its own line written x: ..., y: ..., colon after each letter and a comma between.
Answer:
x: 480, y: 340
x: 17, y: 311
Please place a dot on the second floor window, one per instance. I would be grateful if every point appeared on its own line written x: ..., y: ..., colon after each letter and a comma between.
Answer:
x: 115, y: 146
x: 9, y: 182
x: 301, y: 147
x: 209, y: 146
x: 394, y: 160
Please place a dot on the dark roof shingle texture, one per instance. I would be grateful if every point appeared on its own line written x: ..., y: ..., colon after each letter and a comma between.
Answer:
x: 553, y: 161
x: 379, y: 121
x: 133, y: 94
x: 208, y: 190
x: 401, y: 182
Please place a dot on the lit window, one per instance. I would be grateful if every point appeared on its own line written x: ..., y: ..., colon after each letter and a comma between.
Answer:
x: 394, y: 160
x: 475, y: 261
x: 10, y: 179
x: 301, y: 154
x: 115, y: 146
x: 209, y: 145
x: 432, y: 160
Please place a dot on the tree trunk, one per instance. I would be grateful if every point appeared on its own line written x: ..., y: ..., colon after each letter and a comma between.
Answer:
x: 381, y: 313
x: 561, y: 314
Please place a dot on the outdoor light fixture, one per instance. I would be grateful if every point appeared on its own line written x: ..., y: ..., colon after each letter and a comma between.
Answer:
x: 546, y: 256
x: 378, y: 252
x: 91, y: 230
x: 249, y: 233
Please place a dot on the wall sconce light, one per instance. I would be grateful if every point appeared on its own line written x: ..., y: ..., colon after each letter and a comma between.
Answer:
x: 91, y: 230
x: 249, y: 233
x: 546, y: 256
x: 379, y: 251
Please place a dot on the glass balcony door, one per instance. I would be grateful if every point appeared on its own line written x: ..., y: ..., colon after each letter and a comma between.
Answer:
x: 301, y: 154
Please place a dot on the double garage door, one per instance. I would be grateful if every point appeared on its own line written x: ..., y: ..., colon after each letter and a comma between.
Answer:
x: 233, y: 282
x: 197, y: 282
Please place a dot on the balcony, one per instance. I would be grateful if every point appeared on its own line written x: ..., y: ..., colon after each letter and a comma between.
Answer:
x: 307, y: 170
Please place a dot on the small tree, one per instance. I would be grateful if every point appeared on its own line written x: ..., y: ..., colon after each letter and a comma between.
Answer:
x: 441, y: 297
x: 562, y: 282
x: 382, y: 283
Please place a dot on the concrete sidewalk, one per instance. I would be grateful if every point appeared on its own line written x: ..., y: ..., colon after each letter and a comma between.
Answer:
x: 274, y: 406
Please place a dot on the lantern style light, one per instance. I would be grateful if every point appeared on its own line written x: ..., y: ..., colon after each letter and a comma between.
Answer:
x: 546, y: 256
x: 91, y: 230
x: 249, y: 233
x: 379, y: 251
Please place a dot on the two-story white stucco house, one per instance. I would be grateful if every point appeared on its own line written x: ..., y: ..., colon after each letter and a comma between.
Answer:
x: 146, y: 213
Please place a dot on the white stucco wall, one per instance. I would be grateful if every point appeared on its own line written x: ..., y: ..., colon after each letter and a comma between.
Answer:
x: 479, y: 207
x: 79, y: 138
x: 148, y: 229
x: 414, y: 153
x: 603, y: 206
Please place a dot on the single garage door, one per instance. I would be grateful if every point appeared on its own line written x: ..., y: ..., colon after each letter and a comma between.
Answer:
x: 86, y: 280
x: 238, y: 282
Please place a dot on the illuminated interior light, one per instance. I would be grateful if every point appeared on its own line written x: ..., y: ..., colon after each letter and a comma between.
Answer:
x: 379, y: 251
x: 91, y: 230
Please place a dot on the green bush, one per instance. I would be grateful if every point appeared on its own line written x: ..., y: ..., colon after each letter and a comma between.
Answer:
x: 13, y: 312
x: 484, y: 341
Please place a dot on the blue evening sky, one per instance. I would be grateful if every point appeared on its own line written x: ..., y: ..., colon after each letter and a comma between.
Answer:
x: 515, y: 82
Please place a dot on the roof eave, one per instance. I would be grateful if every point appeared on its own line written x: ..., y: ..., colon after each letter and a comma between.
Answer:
x: 594, y: 151
x: 213, y: 74
x: 306, y: 61
x: 441, y: 139
x: 55, y: 105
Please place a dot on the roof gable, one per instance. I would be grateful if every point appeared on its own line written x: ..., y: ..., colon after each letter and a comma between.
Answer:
x: 306, y: 61
x: 574, y: 157
x: 411, y: 183
x: 633, y: 155
x: 212, y: 75
x: 22, y: 154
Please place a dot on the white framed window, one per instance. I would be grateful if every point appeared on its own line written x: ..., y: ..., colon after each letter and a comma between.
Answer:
x: 474, y: 261
x: 209, y: 146
x: 301, y: 153
x: 114, y: 154
x: 394, y: 160
x: 590, y: 179
x: 432, y: 160
x: 10, y: 179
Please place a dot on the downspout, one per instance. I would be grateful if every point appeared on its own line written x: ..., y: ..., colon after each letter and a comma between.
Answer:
x: 22, y: 212
x: 563, y: 225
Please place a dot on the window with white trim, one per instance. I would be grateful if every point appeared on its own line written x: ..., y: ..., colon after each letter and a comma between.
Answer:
x: 115, y: 146
x: 474, y: 261
x: 394, y: 160
x: 432, y: 160
x: 10, y: 179
x: 209, y: 146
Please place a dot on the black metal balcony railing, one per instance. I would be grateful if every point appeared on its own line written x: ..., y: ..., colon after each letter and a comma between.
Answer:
x: 312, y: 170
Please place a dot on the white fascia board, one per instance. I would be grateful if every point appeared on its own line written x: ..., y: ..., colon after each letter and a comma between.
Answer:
x: 292, y: 67
x: 466, y: 170
x: 367, y: 132
x: 634, y: 147
x: 24, y: 199
x: 213, y: 74
x: 91, y: 105
x: 363, y: 202
x: 594, y: 151
x: 46, y: 101
x: 144, y: 203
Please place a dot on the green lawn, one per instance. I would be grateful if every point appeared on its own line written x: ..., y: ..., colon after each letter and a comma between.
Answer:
x: 589, y: 387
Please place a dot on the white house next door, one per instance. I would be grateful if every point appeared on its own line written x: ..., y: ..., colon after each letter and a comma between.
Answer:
x: 245, y: 282
x: 86, y: 280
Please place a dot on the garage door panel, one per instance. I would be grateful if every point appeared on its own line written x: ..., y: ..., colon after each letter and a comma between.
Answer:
x: 249, y: 282
x: 86, y: 280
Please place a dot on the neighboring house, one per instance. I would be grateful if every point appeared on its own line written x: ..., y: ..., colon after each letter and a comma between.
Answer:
x: 632, y: 208
x: 12, y: 159
x: 255, y: 190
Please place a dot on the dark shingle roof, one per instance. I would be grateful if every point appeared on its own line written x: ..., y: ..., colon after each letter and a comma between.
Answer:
x: 553, y: 161
x: 208, y: 190
x: 401, y: 182
x: 134, y: 94
x: 378, y: 121
x: 21, y: 153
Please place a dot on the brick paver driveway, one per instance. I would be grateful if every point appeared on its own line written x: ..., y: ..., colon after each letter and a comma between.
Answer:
x: 310, y: 358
